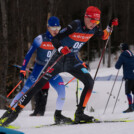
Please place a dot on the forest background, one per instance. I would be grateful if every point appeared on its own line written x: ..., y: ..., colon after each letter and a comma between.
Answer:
x: 22, y: 20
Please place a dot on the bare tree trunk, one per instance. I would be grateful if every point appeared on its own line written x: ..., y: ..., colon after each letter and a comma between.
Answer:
x: 109, y: 54
x: 127, y: 20
x: 3, y: 52
x: 114, y: 3
x: 104, y: 56
x: 53, y: 7
x: 109, y: 46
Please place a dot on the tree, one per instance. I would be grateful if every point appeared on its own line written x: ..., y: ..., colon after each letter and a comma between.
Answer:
x: 3, y: 50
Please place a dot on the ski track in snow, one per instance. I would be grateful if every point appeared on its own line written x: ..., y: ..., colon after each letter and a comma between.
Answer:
x: 97, y: 102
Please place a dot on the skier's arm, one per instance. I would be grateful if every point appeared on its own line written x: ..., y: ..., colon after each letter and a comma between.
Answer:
x: 107, y: 32
x: 35, y: 45
x: 119, y: 62
x: 64, y: 33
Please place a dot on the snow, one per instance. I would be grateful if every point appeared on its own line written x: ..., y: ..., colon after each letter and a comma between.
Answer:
x: 97, y: 102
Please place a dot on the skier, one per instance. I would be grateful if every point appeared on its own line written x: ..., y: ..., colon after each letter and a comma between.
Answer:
x: 67, y: 44
x: 44, y: 47
x: 126, y: 60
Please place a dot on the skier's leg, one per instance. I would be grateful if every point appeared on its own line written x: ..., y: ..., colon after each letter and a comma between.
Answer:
x: 133, y: 94
x: 83, y: 75
x: 37, y: 103
x: 58, y: 84
x: 42, y: 102
x: 128, y: 89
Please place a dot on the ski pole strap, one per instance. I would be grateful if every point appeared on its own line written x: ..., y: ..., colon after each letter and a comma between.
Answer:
x: 14, y: 88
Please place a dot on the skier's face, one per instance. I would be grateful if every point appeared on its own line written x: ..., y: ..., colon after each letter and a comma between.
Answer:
x: 54, y: 30
x: 90, y: 23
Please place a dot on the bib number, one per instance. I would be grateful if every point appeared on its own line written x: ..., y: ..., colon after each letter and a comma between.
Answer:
x: 49, y: 54
x: 77, y: 45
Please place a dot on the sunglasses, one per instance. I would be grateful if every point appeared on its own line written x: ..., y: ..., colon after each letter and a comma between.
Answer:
x: 93, y: 20
x: 55, y: 28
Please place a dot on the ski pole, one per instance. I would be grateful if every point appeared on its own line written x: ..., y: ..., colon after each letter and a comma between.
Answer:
x: 103, y: 52
x: 77, y: 88
x: 70, y: 81
x: 14, y: 88
x: 27, y: 69
x: 38, y: 79
x: 19, y: 81
x: 117, y: 96
x: 111, y: 92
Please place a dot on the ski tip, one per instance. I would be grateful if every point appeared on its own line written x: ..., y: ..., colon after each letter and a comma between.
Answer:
x: 129, y: 120
x: 12, y: 127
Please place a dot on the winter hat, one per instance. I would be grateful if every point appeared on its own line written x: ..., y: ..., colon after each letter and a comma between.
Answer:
x: 53, y: 21
x: 124, y: 46
x: 93, y: 12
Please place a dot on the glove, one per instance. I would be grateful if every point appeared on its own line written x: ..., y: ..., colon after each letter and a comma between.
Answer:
x: 22, y: 74
x: 113, y: 22
x: 64, y: 50
x: 86, y: 65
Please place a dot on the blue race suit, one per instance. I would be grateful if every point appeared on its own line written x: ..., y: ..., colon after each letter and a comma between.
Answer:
x: 44, y: 47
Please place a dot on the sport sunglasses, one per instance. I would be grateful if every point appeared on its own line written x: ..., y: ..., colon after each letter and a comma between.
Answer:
x: 55, y: 28
x: 93, y: 20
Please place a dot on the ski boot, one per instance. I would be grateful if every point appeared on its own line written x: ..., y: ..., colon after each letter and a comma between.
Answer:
x: 36, y: 114
x: 60, y: 119
x: 33, y: 114
x: 130, y: 109
x: 9, y: 116
x: 80, y: 117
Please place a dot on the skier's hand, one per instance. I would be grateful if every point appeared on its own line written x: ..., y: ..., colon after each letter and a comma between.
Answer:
x: 113, y: 22
x: 85, y: 65
x: 22, y: 74
x: 64, y: 50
